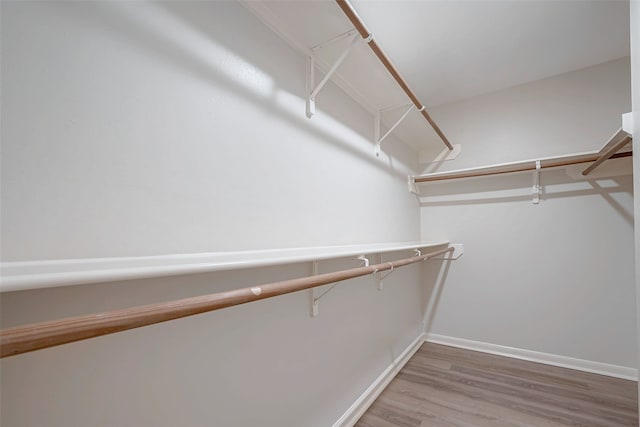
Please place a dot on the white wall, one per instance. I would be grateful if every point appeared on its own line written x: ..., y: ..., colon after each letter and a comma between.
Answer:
x: 635, y: 90
x: 557, y: 277
x: 134, y: 128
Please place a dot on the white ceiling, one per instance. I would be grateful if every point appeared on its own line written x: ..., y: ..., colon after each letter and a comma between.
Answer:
x: 449, y: 50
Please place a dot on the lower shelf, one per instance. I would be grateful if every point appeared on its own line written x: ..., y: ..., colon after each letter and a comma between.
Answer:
x: 16, y: 276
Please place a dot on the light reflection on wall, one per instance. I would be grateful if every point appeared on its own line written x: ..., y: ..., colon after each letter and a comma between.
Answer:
x: 170, y: 28
x: 295, y: 105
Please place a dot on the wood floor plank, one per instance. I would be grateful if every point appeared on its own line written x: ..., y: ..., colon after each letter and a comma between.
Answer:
x: 505, y: 392
x: 591, y: 397
x: 452, y: 409
x: 395, y: 416
x: 451, y: 387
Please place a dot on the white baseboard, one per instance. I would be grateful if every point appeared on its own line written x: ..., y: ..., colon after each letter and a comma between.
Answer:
x: 366, y: 399
x: 536, y: 356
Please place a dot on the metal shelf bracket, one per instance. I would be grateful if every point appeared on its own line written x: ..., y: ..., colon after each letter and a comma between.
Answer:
x: 377, y: 275
x: 380, y: 277
x: 316, y: 295
x: 413, y: 188
x: 313, y: 90
x: 364, y: 259
x: 377, y: 137
x: 314, y: 291
x: 536, y: 184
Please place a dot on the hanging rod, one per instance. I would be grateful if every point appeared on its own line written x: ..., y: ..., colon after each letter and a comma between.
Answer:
x: 23, y: 339
x: 351, y: 13
x: 608, y: 151
x: 549, y: 162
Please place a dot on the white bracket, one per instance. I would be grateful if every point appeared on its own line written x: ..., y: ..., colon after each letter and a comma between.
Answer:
x: 312, y: 89
x: 458, y: 250
x: 413, y: 188
x: 378, y: 138
x: 364, y: 259
x: 536, y: 184
x: 315, y: 292
x: 378, y: 275
x: 381, y: 277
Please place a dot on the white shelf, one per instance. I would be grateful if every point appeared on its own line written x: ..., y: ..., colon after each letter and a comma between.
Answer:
x: 16, y: 276
x: 306, y: 24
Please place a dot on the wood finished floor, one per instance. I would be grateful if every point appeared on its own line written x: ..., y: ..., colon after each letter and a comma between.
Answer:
x: 446, y: 386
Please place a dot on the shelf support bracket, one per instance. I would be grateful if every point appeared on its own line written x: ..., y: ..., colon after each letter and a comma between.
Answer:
x: 364, y: 259
x: 536, y: 184
x: 413, y: 187
x: 312, y: 89
x: 377, y: 137
x: 315, y: 292
x: 379, y: 278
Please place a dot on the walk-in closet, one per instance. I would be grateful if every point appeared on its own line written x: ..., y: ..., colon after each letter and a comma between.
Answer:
x: 319, y: 213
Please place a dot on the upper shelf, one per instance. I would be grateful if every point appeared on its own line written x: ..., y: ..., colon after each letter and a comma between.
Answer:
x: 361, y: 75
x: 611, y: 150
x: 17, y: 276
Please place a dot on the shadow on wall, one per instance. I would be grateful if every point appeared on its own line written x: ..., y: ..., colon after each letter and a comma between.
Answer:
x: 434, y: 278
x: 190, y: 36
x: 516, y: 187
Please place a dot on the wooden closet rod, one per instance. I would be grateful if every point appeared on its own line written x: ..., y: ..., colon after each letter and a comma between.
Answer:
x: 365, y: 34
x: 37, y: 336
x: 551, y: 162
